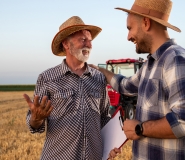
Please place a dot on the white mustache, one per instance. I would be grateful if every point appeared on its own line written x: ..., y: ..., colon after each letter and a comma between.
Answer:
x: 86, y: 49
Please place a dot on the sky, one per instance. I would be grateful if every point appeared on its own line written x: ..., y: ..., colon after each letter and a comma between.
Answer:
x: 27, y: 28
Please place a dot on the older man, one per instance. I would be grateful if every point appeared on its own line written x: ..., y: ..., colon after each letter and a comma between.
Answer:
x: 71, y: 98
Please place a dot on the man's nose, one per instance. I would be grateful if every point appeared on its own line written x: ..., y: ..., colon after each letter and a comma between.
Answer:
x: 88, y: 44
x: 128, y: 37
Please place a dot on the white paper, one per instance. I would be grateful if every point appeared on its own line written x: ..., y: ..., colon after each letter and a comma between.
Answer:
x: 112, y: 135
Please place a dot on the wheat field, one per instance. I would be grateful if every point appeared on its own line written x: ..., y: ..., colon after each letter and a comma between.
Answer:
x: 16, y: 142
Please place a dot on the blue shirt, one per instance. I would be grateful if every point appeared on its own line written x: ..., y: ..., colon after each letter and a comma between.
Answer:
x: 160, y: 86
x: 81, y: 106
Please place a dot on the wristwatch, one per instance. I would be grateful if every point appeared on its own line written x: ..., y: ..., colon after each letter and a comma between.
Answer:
x: 139, y: 129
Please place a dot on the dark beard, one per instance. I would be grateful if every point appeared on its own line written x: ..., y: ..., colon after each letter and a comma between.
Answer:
x: 144, y: 45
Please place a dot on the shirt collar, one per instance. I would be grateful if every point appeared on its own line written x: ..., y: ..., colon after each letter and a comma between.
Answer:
x: 156, y: 55
x: 65, y: 69
x: 88, y: 70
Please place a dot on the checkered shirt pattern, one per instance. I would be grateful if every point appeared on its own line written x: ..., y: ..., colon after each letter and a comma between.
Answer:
x: 81, y: 106
x: 160, y: 86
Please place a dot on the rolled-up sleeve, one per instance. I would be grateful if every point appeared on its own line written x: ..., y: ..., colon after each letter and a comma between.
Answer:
x: 176, y: 124
x: 174, y: 72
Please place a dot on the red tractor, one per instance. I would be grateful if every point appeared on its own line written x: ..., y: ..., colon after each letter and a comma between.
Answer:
x: 126, y: 67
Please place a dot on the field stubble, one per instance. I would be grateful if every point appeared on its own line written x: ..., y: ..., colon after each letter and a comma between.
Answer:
x: 16, y: 142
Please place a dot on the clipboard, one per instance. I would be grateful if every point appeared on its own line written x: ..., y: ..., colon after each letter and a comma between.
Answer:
x: 112, y: 134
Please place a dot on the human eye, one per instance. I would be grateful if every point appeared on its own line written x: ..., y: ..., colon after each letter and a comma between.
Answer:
x: 129, y: 28
x: 83, y: 39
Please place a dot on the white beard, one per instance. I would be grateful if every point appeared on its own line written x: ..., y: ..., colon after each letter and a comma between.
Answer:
x: 78, y: 53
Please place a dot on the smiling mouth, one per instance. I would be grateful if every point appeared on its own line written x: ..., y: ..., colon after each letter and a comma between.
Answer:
x: 133, y: 40
x: 85, y: 51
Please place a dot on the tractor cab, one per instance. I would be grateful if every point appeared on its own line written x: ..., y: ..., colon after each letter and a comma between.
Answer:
x: 126, y: 67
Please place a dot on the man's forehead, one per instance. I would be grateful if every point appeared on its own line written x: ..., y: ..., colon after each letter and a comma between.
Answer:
x: 128, y: 19
x: 84, y: 32
x: 132, y: 18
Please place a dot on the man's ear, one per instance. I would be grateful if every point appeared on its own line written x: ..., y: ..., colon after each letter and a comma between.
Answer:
x: 65, y: 44
x: 146, y: 24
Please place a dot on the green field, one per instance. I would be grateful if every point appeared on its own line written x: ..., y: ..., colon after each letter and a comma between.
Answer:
x: 17, y: 87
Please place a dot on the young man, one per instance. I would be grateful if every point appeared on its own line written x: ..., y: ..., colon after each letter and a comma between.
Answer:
x: 158, y: 132
x: 71, y: 98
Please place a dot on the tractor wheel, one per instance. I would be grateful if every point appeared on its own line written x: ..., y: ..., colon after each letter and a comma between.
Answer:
x: 130, y: 112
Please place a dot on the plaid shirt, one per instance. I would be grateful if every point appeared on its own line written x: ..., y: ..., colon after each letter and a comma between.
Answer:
x: 81, y: 107
x: 160, y: 86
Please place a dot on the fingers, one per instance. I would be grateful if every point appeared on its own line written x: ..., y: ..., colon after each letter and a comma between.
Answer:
x: 93, y: 66
x: 44, y: 107
x: 27, y: 98
x: 113, y: 153
x: 117, y: 150
x: 36, y: 101
x: 48, y: 107
x: 44, y: 102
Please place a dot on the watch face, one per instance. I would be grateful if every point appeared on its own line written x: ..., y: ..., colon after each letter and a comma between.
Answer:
x: 138, y: 130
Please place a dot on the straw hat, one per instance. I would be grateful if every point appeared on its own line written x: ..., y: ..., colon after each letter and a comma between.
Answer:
x: 70, y: 26
x: 157, y: 10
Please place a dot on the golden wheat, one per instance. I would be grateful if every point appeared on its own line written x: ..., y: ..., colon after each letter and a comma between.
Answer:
x: 16, y: 142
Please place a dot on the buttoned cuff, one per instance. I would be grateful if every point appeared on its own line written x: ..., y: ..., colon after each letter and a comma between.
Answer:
x: 41, y: 129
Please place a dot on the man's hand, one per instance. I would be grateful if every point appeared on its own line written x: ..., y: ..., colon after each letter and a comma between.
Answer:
x: 113, y: 153
x: 93, y: 66
x: 108, y: 74
x: 39, y: 111
x: 129, y: 129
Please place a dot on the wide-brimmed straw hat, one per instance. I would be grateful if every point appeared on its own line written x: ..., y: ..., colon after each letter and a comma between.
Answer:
x: 157, y: 10
x: 69, y: 27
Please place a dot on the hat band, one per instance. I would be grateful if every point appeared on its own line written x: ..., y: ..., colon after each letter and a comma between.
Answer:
x: 150, y: 12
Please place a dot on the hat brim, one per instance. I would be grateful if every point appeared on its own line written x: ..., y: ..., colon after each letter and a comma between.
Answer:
x: 62, y: 34
x: 164, y: 23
